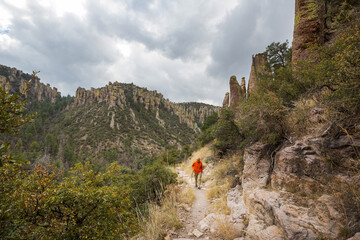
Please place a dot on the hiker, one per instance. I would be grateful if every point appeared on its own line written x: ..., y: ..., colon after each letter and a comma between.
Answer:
x: 197, y: 169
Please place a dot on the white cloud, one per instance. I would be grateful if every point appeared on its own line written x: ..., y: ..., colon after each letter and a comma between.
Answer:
x: 76, y: 7
x: 7, y: 43
x: 186, y: 50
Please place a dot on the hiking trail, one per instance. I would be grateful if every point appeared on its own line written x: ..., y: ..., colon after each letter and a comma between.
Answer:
x: 194, y: 214
x: 198, y: 210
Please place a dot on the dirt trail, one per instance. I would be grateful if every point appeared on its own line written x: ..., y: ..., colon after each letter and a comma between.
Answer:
x: 197, y: 211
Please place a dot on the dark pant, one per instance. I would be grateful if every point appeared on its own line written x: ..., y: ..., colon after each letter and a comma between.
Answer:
x: 196, y: 178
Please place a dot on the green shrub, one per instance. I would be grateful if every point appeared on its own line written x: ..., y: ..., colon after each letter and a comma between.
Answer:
x: 226, y: 133
x: 41, y: 205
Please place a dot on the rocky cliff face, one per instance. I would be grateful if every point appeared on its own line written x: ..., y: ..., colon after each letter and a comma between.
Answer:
x: 138, y: 123
x: 308, y: 187
x: 309, y: 27
x: 297, y: 193
x: 257, y: 68
x: 120, y: 94
x: 319, y: 21
x: 193, y: 113
x: 14, y: 80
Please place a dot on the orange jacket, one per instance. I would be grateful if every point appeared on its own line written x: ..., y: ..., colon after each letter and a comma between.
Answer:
x: 197, y: 167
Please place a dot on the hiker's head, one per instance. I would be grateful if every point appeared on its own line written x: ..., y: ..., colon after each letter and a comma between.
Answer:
x: 198, y: 159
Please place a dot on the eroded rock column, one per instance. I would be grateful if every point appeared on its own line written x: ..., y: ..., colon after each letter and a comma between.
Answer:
x: 309, y: 27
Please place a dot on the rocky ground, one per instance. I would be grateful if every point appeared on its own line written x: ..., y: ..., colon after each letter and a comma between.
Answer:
x: 282, y: 197
x: 192, y: 216
x: 200, y: 222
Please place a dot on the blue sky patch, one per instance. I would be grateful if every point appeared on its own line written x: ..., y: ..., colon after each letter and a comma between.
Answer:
x: 6, y: 31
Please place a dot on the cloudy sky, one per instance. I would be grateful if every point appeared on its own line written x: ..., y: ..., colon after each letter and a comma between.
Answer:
x: 185, y: 49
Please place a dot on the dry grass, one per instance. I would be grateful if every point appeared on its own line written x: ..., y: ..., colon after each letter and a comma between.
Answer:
x: 161, y: 218
x: 203, y: 153
x: 159, y: 221
x: 186, y: 196
x: 220, y: 206
x: 226, y: 230
x: 223, y: 177
x: 217, y: 190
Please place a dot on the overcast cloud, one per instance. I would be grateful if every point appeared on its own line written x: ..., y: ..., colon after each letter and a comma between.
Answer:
x: 187, y: 49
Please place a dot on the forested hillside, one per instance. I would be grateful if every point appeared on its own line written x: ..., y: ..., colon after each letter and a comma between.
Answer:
x: 85, y: 166
x: 120, y: 122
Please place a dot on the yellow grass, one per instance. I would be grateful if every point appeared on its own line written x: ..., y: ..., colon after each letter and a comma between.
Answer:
x: 203, y: 153
x: 222, y: 182
x: 226, y: 230
x: 186, y: 196
x: 162, y: 218
x: 220, y: 206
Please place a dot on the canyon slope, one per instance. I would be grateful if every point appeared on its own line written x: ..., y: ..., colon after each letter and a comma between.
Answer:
x: 118, y: 122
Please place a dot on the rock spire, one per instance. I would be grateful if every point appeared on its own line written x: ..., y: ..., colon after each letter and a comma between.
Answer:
x: 257, y: 68
x: 226, y: 100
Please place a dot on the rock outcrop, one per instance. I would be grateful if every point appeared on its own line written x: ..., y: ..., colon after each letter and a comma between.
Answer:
x: 13, y: 80
x: 121, y: 95
x: 243, y: 88
x: 257, y: 68
x: 239, y: 91
x: 309, y: 27
x: 234, y: 92
x: 319, y: 22
x: 226, y: 100
x: 296, y: 194
x: 308, y: 187
x: 193, y: 113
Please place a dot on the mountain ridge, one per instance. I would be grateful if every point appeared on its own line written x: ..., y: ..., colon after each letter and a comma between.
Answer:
x: 120, y: 119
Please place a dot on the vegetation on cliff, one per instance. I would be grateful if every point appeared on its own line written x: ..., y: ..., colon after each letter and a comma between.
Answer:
x: 53, y: 188
x: 43, y: 203
x: 272, y: 112
x: 315, y: 100
x: 119, y: 122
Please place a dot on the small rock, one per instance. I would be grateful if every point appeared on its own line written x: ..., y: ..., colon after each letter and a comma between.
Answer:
x: 355, y: 237
x: 185, y: 207
x: 203, y: 226
x: 197, y: 233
